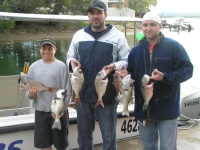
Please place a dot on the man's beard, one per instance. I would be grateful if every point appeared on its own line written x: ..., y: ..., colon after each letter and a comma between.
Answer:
x: 96, y: 26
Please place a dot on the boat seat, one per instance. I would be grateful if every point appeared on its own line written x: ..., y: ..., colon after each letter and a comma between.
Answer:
x: 9, y: 91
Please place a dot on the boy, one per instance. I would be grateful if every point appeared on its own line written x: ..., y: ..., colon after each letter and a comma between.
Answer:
x: 51, y: 73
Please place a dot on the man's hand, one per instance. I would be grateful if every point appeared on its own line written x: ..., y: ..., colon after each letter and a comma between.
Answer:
x: 156, y: 75
x: 75, y: 63
x: 32, y: 93
x: 109, y: 68
x: 123, y: 72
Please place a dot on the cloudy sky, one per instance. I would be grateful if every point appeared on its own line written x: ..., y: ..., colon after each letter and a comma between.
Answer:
x: 186, y: 6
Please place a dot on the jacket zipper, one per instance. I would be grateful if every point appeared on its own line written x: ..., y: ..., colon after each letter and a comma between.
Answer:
x: 151, y: 62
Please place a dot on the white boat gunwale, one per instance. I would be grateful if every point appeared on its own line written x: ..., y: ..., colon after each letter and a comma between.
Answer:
x: 30, y: 124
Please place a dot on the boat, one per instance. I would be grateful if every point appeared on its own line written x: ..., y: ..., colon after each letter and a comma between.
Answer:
x: 17, y: 118
x: 177, y: 23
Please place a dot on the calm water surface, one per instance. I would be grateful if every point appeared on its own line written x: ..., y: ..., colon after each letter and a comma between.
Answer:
x: 15, y: 51
x: 191, y: 43
x: 22, y: 48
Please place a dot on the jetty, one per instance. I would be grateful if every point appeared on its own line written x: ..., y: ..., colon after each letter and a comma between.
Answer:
x: 176, y: 23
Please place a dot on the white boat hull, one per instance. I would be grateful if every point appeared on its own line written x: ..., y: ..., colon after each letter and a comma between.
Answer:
x: 17, y: 131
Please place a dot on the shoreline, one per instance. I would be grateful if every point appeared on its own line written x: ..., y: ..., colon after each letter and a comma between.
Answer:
x: 34, y: 36
x: 38, y: 36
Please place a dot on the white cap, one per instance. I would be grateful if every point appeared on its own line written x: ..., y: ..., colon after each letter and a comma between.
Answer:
x: 152, y: 17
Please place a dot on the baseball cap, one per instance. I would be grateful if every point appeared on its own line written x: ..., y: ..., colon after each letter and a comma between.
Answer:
x: 152, y: 16
x: 98, y: 5
x: 48, y: 40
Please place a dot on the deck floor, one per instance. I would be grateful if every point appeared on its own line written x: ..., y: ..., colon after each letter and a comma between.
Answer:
x: 187, y: 140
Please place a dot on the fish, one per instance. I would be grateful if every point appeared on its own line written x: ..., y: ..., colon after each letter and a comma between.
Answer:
x: 57, y: 107
x: 39, y: 86
x: 126, y: 92
x: 117, y: 81
x: 77, y: 80
x: 147, y: 90
x: 101, y: 82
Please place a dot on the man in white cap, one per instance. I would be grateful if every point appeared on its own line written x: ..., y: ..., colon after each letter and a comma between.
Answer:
x: 167, y: 63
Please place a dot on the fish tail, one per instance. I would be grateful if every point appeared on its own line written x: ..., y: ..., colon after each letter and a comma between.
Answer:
x: 56, y: 124
x: 125, y: 112
x: 145, y: 107
x: 77, y: 99
x: 99, y: 102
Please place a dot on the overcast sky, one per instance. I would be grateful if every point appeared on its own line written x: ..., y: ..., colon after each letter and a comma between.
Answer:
x: 186, y: 6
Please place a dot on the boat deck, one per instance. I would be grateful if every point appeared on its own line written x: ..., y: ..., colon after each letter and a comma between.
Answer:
x: 187, y: 140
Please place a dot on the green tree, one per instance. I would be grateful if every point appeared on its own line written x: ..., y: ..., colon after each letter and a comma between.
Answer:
x: 6, y: 25
x: 141, y: 6
x: 38, y: 6
x: 25, y: 6
x: 57, y: 6
x: 4, y: 6
x: 79, y: 7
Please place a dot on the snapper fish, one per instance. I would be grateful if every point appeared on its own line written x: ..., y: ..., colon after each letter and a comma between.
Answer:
x: 117, y: 81
x: 147, y: 90
x: 126, y: 93
x: 57, y: 107
x: 77, y: 80
x: 100, y: 82
x: 39, y: 86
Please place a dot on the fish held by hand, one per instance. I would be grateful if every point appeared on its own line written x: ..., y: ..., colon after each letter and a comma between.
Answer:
x: 126, y: 93
x: 147, y: 90
x: 101, y: 82
x: 39, y: 86
x: 117, y: 81
x: 58, y: 107
x: 77, y: 80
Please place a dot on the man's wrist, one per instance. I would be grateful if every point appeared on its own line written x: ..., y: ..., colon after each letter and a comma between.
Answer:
x: 112, y: 65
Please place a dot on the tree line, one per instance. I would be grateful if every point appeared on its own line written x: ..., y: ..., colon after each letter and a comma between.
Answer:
x: 73, y: 7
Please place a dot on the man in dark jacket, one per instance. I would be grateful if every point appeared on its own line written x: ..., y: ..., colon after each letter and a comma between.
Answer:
x: 167, y: 63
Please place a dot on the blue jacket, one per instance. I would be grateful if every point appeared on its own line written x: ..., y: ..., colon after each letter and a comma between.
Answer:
x: 170, y: 58
x: 94, y: 51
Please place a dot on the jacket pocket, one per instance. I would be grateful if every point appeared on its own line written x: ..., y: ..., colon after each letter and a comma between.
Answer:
x: 164, y: 64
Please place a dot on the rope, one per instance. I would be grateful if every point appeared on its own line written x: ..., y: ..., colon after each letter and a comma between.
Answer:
x: 191, y: 121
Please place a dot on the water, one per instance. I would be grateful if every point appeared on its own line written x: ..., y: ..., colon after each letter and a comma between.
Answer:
x: 190, y: 41
x: 15, y: 50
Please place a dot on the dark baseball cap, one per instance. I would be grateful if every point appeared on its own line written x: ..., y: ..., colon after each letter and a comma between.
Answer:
x: 98, y: 5
x: 48, y: 40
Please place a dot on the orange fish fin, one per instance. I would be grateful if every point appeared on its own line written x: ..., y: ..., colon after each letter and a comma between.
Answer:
x: 54, y: 116
x: 99, y: 102
x: 77, y: 99
x: 51, y: 90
